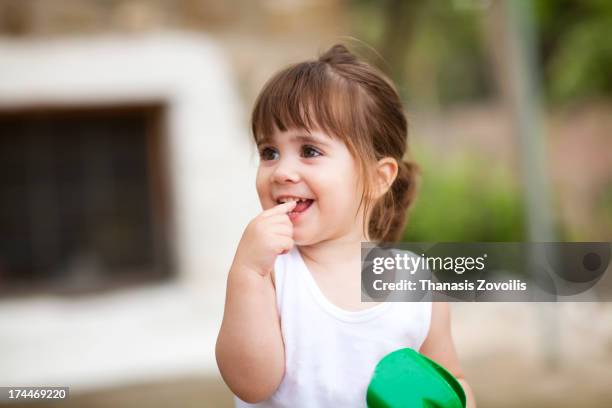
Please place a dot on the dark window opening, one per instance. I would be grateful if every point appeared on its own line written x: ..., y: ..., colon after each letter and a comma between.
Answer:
x: 83, y: 199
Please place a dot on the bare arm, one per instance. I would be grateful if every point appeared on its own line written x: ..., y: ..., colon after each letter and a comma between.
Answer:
x: 249, y: 350
x: 439, y: 347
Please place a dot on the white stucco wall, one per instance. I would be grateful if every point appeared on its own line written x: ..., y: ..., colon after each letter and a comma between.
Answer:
x: 211, y: 174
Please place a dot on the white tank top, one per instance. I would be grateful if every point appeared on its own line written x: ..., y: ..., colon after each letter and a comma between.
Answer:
x: 331, y: 353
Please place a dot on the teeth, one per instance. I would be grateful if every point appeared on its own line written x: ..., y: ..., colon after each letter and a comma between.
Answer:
x: 286, y: 199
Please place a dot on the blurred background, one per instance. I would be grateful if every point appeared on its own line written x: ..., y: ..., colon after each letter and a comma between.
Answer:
x: 127, y: 177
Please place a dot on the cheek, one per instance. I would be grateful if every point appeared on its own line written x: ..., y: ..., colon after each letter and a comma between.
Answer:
x: 338, y: 194
x: 263, y: 188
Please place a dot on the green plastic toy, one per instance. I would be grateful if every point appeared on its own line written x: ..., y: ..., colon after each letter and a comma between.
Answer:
x: 408, y: 379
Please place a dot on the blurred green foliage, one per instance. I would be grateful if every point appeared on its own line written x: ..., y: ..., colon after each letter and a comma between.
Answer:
x: 459, y: 202
x: 438, y: 51
x: 450, y: 43
x: 441, y: 53
x: 576, y: 48
x: 432, y: 49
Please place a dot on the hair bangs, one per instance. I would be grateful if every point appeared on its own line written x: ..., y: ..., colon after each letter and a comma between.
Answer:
x: 307, y: 96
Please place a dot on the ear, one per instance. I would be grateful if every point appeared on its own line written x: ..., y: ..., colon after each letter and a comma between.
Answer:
x: 386, y: 172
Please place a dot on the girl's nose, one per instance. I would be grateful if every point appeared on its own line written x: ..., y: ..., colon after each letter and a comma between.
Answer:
x: 285, y: 172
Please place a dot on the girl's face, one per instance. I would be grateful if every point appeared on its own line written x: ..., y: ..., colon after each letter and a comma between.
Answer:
x: 320, y: 172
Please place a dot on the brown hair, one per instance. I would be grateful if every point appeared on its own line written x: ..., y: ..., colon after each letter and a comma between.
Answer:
x: 354, y: 102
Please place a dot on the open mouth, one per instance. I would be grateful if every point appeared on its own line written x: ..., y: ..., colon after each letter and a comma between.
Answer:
x: 302, y: 204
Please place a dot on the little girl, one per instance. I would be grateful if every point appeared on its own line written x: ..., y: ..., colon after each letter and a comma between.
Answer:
x: 331, y: 135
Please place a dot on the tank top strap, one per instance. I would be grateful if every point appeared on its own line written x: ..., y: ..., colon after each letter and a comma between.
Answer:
x: 280, y: 267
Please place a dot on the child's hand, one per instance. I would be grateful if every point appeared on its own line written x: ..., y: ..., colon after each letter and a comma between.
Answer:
x: 267, y: 236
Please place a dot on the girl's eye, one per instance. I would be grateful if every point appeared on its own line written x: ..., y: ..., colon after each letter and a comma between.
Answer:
x: 309, y: 152
x: 268, y: 153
